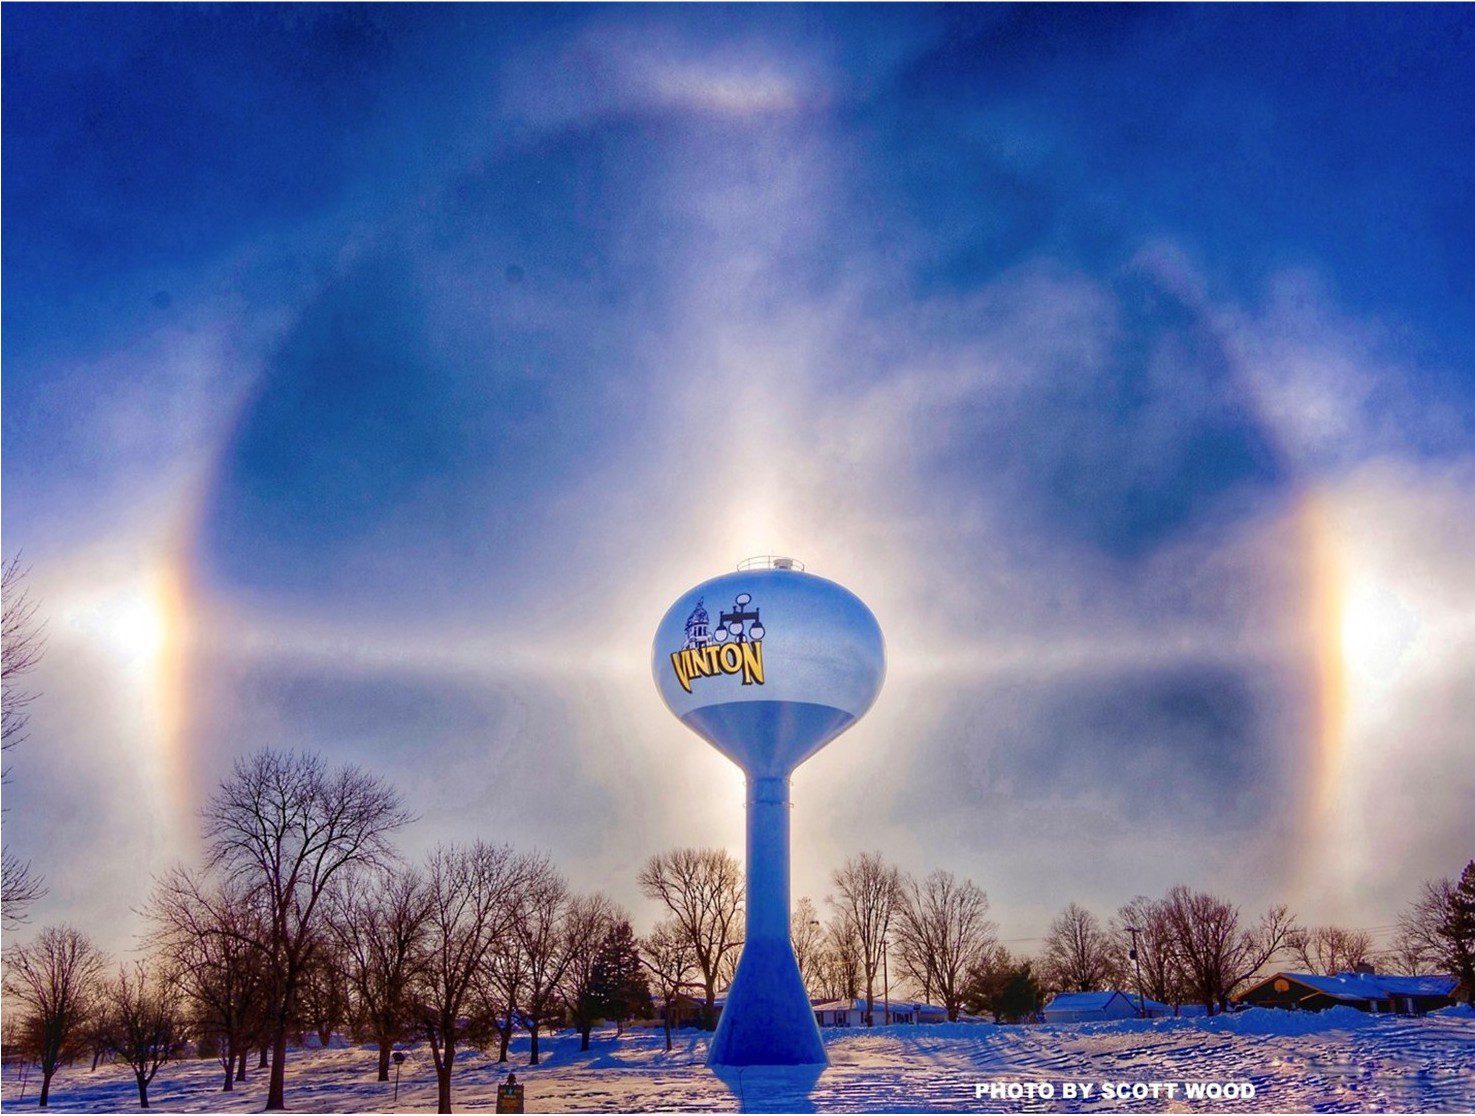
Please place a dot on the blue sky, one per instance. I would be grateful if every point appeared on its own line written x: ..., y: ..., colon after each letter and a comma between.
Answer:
x: 435, y: 349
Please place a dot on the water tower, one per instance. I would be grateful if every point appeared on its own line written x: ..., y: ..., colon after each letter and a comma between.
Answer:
x: 768, y: 664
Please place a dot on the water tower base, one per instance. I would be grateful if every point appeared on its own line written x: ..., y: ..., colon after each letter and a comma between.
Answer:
x: 767, y: 1019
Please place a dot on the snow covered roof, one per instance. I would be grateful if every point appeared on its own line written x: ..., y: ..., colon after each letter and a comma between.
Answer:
x: 1441, y: 985
x: 1374, y: 986
x: 1082, y: 1001
x: 1342, y: 986
x: 880, y: 1005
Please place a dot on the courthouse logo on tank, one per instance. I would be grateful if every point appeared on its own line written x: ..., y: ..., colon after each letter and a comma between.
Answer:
x: 735, y: 646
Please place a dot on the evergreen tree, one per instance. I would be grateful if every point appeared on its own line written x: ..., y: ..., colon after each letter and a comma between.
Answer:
x: 1457, y: 929
x: 1021, y: 997
x: 619, y: 988
x: 1003, y: 986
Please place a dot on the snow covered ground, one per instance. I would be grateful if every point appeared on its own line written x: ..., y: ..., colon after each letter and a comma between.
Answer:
x: 1340, y: 1061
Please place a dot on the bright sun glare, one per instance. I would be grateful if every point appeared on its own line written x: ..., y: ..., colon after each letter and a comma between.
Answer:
x: 1378, y: 628
x: 129, y: 622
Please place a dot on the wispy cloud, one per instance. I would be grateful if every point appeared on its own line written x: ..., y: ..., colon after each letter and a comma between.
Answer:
x: 647, y: 294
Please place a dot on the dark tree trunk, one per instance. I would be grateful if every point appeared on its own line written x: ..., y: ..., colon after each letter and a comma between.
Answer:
x: 230, y: 1067
x: 666, y: 1015
x: 533, y: 1054
x: 276, y: 1092
x: 384, y: 1060
x: 443, y: 1079
x: 143, y: 1092
x: 241, y: 1064
x: 584, y: 1035
x: 45, y: 1087
x: 506, y: 1030
x: 325, y: 1036
x: 262, y: 1063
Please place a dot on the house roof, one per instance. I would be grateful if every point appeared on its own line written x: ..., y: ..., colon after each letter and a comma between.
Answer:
x: 1342, y: 986
x: 1440, y: 985
x: 860, y: 1005
x: 1083, y: 1001
x: 1370, y: 986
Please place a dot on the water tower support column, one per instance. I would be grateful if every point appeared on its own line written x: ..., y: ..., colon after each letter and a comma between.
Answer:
x: 767, y: 1020
x: 768, y: 860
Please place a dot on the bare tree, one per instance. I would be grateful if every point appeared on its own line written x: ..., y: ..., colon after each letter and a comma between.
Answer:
x: 19, y: 888
x: 285, y: 824
x: 671, y: 960
x: 380, y: 921
x: 837, y: 972
x: 501, y: 988
x: 1157, y: 961
x: 808, y: 935
x: 471, y: 889
x: 1330, y: 949
x: 943, y: 931
x: 703, y: 890
x: 94, y: 1038
x: 867, y: 893
x: 1216, y: 952
x: 1439, y: 928
x: 210, y: 936
x: 539, y: 926
x: 588, y: 922
x: 1409, y: 954
x: 323, y: 997
x: 54, y: 979
x: 1079, y: 955
x: 1418, y: 925
x: 21, y: 646
x: 145, y: 1020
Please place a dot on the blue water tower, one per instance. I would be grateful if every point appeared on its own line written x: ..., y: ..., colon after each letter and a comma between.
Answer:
x: 768, y: 664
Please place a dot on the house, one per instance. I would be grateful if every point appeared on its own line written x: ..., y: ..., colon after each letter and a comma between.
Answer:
x: 1418, y: 995
x: 1366, y: 991
x: 852, y: 1013
x: 686, y: 1011
x: 1078, y: 1007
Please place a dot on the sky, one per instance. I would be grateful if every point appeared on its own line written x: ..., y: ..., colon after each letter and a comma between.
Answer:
x: 375, y: 377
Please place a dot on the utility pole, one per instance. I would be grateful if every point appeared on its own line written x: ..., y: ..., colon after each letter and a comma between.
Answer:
x: 885, y: 983
x: 1137, y: 963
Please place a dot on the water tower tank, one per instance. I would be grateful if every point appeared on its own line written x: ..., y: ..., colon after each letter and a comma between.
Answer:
x: 768, y: 664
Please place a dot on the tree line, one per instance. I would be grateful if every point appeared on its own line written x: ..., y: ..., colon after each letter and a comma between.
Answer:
x: 304, y: 920
x: 930, y: 936
x: 1186, y: 947
x: 1192, y: 947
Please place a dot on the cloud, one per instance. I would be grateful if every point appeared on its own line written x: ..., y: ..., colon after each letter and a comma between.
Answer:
x: 668, y: 293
